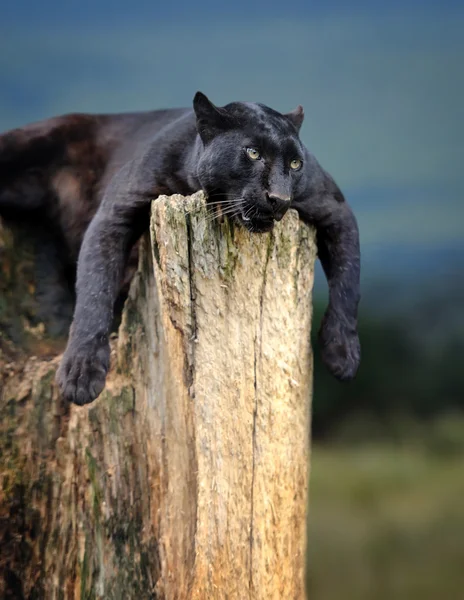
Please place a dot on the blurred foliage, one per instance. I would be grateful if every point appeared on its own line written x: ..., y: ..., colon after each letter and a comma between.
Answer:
x: 386, y: 517
x: 387, y: 520
x: 411, y: 370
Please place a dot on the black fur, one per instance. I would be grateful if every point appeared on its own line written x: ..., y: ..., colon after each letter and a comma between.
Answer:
x: 94, y: 177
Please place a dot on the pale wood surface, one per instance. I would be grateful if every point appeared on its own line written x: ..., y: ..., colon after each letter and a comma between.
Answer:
x: 187, y: 479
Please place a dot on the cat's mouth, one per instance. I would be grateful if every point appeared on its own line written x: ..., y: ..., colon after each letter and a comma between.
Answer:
x: 247, y: 215
x: 256, y: 223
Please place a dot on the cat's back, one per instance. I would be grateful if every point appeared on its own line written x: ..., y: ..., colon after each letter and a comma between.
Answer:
x: 121, y: 135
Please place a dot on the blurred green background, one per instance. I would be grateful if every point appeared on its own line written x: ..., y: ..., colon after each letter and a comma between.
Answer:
x: 383, y: 89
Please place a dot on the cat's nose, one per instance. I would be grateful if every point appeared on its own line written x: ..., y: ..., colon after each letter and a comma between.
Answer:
x: 280, y: 203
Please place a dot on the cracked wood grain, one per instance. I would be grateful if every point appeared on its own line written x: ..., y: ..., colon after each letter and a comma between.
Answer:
x: 187, y: 479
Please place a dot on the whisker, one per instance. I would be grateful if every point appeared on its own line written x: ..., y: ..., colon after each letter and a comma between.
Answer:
x: 214, y: 204
x: 229, y: 213
x: 246, y: 215
x: 233, y: 212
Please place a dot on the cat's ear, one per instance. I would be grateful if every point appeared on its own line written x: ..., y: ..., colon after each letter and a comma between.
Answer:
x: 211, y: 119
x: 296, y: 117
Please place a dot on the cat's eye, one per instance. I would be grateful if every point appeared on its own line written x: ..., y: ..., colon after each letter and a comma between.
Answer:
x: 253, y: 153
x: 296, y: 164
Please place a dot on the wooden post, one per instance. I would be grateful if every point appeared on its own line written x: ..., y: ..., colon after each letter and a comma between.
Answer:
x: 187, y: 479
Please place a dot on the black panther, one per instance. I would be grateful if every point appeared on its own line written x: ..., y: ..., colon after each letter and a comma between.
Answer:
x: 93, y: 177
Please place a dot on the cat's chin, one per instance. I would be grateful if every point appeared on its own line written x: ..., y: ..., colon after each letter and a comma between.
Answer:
x: 263, y: 228
x: 258, y: 225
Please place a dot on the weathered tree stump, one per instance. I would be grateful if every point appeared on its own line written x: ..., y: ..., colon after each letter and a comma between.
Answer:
x: 187, y: 478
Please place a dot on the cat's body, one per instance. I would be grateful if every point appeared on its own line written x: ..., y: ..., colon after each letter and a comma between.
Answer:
x: 92, y: 178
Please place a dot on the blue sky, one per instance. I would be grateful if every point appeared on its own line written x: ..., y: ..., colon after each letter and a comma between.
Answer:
x: 53, y: 12
x: 382, y: 85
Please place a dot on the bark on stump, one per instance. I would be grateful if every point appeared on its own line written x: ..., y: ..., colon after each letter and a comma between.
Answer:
x: 188, y: 477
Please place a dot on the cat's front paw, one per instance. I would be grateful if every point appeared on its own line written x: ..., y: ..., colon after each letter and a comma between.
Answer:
x: 340, y: 347
x: 82, y: 372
